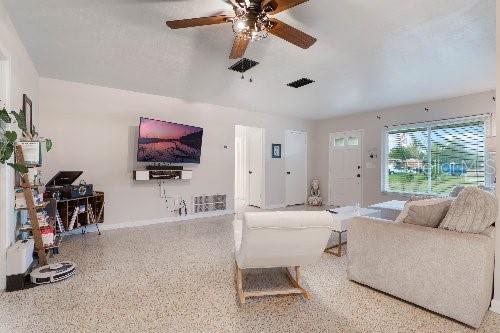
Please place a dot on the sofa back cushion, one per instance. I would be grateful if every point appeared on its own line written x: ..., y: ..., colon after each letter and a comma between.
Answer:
x: 472, y: 211
x: 427, y: 212
x: 457, y: 189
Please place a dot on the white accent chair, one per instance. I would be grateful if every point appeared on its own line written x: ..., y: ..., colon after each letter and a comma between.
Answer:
x: 280, y: 239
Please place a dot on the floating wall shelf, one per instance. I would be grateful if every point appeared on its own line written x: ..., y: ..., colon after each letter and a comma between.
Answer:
x: 162, y: 174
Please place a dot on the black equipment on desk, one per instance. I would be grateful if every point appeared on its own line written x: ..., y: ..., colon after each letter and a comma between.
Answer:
x: 60, y: 186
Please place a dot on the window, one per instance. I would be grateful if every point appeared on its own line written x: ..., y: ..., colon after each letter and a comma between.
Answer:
x: 352, y: 141
x: 435, y: 157
x: 339, y: 142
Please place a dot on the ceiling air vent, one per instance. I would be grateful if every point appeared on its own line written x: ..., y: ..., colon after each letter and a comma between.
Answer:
x: 243, y: 65
x: 300, y: 83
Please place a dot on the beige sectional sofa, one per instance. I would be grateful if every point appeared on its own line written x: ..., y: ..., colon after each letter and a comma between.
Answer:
x: 447, y: 272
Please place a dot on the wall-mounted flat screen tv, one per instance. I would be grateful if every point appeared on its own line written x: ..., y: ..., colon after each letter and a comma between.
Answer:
x: 162, y: 141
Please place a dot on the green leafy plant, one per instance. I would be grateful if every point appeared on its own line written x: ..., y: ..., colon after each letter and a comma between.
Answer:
x: 9, y: 138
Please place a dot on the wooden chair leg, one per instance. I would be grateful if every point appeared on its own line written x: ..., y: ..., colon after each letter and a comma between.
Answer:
x: 297, y: 274
x: 296, y: 282
x: 298, y: 277
x: 239, y: 284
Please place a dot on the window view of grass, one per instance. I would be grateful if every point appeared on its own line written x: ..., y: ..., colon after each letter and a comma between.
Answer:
x: 456, y: 157
x: 411, y: 183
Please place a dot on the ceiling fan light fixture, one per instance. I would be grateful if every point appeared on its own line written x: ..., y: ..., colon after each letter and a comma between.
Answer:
x: 253, y: 27
x: 253, y: 20
x: 240, y: 25
x: 258, y: 35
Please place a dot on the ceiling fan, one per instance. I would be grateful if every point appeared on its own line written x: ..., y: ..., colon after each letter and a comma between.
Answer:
x: 251, y: 22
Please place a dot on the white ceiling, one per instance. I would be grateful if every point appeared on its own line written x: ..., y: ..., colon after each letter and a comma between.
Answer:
x: 369, y: 55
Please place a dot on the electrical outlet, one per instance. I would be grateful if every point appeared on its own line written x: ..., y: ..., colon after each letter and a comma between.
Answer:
x: 171, y: 205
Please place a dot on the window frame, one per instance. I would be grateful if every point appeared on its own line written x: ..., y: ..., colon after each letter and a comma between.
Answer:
x: 485, y: 118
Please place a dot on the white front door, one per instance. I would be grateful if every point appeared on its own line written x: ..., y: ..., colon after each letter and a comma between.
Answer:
x: 346, y: 168
x: 295, y: 167
x: 255, y: 146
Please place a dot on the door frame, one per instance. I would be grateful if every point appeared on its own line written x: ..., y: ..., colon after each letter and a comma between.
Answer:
x: 305, y: 163
x: 361, y: 133
x: 6, y: 174
x: 262, y: 166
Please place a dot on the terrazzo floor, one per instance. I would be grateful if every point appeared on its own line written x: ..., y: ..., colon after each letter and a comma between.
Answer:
x: 180, y: 278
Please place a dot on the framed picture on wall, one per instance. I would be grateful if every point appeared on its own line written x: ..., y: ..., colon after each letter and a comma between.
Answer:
x: 276, y: 150
x: 28, y: 111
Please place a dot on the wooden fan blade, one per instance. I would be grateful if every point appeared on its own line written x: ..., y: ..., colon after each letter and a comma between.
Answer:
x: 240, y: 45
x: 200, y: 21
x: 237, y: 3
x: 291, y: 35
x: 276, y: 6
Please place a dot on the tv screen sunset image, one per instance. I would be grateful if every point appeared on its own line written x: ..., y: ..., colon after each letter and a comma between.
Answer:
x: 161, y: 141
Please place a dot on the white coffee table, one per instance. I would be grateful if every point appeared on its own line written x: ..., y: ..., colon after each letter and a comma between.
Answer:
x: 341, y: 222
x: 389, y: 210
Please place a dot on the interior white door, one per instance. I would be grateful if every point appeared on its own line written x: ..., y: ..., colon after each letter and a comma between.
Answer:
x: 255, y: 138
x: 240, y: 164
x: 295, y: 167
x: 346, y: 170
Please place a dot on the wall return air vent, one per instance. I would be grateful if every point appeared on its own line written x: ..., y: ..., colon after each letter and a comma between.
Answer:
x: 209, y: 203
x: 300, y: 83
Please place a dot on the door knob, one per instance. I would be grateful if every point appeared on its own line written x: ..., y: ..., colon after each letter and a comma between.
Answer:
x: 358, y: 175
x: 250, y: 172
x: 288, y: 172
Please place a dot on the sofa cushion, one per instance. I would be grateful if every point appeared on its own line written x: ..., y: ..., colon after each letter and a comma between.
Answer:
x: 472, y: 211
x: 457, y: 189
x: 427, y: 212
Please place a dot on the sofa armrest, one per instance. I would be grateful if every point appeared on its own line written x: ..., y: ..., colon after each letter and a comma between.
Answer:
x: 445, y: 271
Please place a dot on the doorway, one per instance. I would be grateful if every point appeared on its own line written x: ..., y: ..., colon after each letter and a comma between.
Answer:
x: 249, y: 167
x: 296, y: 167
x: 346, y: 168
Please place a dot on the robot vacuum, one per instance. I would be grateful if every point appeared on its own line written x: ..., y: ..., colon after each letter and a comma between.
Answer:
x: 53, y: 272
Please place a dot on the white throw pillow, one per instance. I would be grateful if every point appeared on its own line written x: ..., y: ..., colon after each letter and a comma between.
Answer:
x: 472, y: 211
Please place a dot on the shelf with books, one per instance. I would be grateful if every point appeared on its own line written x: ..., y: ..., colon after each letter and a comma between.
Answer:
x: 71, y: 214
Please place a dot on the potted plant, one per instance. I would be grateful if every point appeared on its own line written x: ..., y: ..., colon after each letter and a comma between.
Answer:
x: 9, y: 137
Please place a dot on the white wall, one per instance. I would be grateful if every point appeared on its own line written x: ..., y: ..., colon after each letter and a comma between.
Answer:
x: 373, y: 131
x: 94, y: 129
x: 22, y: 77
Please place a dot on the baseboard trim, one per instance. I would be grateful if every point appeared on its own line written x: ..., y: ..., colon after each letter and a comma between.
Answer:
x: 278, y: 206
x: 142, y: 223
x: 495, y: 306
x: 172, y: 219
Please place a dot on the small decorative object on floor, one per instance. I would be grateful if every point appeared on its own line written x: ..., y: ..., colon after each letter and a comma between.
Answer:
x: 315, y: 199
x: 53, y: 272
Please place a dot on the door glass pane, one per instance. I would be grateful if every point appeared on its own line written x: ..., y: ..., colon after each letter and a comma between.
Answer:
x: 352, y: 141
x: 407, y: 161
x: 339, y: 142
